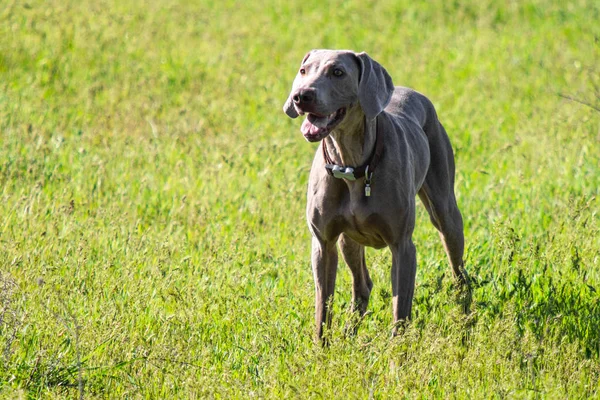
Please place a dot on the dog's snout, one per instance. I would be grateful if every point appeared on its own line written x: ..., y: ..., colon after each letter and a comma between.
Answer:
x: 304, y: 96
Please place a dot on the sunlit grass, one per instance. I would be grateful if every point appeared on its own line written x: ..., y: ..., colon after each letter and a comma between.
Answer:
x: 152, y: 195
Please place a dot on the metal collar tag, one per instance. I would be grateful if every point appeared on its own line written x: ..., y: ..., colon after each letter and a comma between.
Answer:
x: 341, y: 172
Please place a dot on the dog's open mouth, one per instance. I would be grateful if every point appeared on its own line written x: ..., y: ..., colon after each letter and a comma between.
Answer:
x: 315, y: 127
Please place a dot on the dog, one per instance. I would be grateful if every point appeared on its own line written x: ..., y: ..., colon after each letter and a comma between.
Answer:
x: 381, y: 146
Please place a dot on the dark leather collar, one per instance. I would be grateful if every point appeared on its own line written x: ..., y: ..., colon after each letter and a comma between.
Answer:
x: 352, y: 173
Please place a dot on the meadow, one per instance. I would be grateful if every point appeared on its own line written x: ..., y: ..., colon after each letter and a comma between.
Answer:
x: 153, y: 241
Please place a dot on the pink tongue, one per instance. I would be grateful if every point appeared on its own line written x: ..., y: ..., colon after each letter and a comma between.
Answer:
x: 310, y: 128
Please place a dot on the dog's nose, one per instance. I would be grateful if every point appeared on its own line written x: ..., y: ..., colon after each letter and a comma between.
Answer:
x: 304, y: 96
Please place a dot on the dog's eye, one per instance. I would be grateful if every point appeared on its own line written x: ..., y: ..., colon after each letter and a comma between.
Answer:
x: 338, y: 72
x: 302, y: 71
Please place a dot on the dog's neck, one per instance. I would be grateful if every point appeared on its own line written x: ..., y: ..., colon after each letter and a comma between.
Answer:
x: 353, y: 141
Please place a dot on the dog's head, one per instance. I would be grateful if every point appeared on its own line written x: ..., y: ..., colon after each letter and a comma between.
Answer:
x: 330, y: 83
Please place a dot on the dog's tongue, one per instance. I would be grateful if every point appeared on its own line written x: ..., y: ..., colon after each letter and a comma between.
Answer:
x: 314, y: 125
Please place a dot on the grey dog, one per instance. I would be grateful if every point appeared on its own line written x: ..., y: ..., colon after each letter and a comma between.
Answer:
x: 381, y: 146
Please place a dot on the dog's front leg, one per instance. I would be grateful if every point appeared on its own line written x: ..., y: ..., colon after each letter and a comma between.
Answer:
x: 404, y: 267
x: 324, y: 265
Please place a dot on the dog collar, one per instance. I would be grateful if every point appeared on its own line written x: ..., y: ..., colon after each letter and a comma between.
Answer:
x: 353, y: 173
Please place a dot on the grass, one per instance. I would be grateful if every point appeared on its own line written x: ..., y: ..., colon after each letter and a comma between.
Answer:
x: 152, y: 193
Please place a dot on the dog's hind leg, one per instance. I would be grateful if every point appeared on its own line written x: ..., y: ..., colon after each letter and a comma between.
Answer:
x: 354, y: 255
x: 446, y: 217
x: 437, y: 194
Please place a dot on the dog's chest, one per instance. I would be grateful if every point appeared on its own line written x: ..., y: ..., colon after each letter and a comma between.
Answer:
x: 342, y: 207
x: 365, y: 225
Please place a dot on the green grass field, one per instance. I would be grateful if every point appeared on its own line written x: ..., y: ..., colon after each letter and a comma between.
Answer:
x: 153, y: 242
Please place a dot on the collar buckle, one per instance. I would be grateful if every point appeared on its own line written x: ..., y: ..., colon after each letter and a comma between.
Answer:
x: 341, y: 172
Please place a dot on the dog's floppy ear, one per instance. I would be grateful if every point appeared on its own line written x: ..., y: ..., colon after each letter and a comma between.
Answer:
x: 288, y: 107
x: 375, y: 86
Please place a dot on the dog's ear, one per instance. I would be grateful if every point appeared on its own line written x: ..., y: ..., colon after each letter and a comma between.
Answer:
x: 306, y: 57
x: 288, y: 107
x: 375, y: 86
